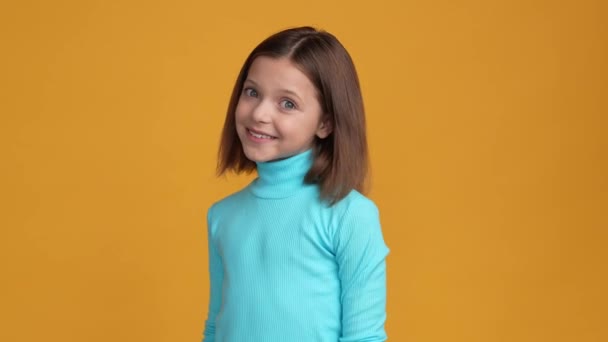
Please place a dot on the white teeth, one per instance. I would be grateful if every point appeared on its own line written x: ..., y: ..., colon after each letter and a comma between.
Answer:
x: 260, y: 136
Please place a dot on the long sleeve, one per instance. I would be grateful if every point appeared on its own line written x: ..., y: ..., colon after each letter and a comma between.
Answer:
x: 285, y: 265
x: 216, y: 274
x: 360, y: 254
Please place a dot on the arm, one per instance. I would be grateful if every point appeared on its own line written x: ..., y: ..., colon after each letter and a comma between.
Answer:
x: 216, y: 275
x: 360, y: 254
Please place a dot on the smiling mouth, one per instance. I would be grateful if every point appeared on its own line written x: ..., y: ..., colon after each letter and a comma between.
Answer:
x: 259, y: 135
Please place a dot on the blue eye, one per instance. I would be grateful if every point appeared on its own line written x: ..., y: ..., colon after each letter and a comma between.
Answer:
x: 251, y: 92
x: 288, y: 104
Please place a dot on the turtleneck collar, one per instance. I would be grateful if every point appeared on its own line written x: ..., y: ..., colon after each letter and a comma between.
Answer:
x: 282, y: 178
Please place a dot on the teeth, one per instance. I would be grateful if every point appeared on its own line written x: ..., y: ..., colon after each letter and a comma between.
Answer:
x: 260, y: 136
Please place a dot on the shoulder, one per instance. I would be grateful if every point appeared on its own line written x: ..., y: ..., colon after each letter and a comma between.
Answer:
x: 354, y: 212
x: 356, y: 204
x: 227, y: 204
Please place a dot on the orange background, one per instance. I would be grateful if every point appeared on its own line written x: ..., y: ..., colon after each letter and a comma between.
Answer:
x: 487, y: 128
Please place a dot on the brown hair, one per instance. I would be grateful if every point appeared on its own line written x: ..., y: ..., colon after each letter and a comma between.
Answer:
x: 340, y: 160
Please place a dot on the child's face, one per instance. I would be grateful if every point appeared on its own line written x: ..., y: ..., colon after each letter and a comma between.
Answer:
x: 278, y: 114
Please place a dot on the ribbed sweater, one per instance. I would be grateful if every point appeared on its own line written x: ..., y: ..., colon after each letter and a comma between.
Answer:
x: 286, y: 266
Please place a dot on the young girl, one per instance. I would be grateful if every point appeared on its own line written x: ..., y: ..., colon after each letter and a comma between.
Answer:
x: 298, y: 254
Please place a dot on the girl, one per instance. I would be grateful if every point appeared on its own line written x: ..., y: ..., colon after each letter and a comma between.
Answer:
x: 298, y: 254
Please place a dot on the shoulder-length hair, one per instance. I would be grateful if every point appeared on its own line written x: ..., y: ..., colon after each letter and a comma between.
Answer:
x: 341, y: 159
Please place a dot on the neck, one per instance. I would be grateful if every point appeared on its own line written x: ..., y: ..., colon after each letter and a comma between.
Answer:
x: 282, y: 178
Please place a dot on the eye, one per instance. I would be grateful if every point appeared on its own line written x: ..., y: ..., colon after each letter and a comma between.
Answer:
x: 287, y: 104
x: 250, y: 92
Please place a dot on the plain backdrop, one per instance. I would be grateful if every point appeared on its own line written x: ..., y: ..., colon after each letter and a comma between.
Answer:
x: 487, y: 130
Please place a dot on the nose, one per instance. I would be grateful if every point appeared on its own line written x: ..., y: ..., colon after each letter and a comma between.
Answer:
x: 262, y: 113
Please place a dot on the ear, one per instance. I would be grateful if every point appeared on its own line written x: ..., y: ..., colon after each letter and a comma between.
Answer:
x: 325, y: 128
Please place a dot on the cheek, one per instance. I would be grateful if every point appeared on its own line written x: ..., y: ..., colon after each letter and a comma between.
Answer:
x: 240, y: 112
x: 297, y: 129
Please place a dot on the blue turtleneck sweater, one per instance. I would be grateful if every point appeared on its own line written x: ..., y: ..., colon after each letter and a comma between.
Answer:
x: 285, y: 266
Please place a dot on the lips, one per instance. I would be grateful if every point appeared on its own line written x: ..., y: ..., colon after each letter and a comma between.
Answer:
x: 259, y: 135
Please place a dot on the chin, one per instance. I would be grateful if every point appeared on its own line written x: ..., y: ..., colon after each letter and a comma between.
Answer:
x: 257, y: 156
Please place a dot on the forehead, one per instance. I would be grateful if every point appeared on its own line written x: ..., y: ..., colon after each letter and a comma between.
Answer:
x: 279, y: 73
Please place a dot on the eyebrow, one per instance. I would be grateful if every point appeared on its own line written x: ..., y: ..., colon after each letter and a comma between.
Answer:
x: 284, y: 90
